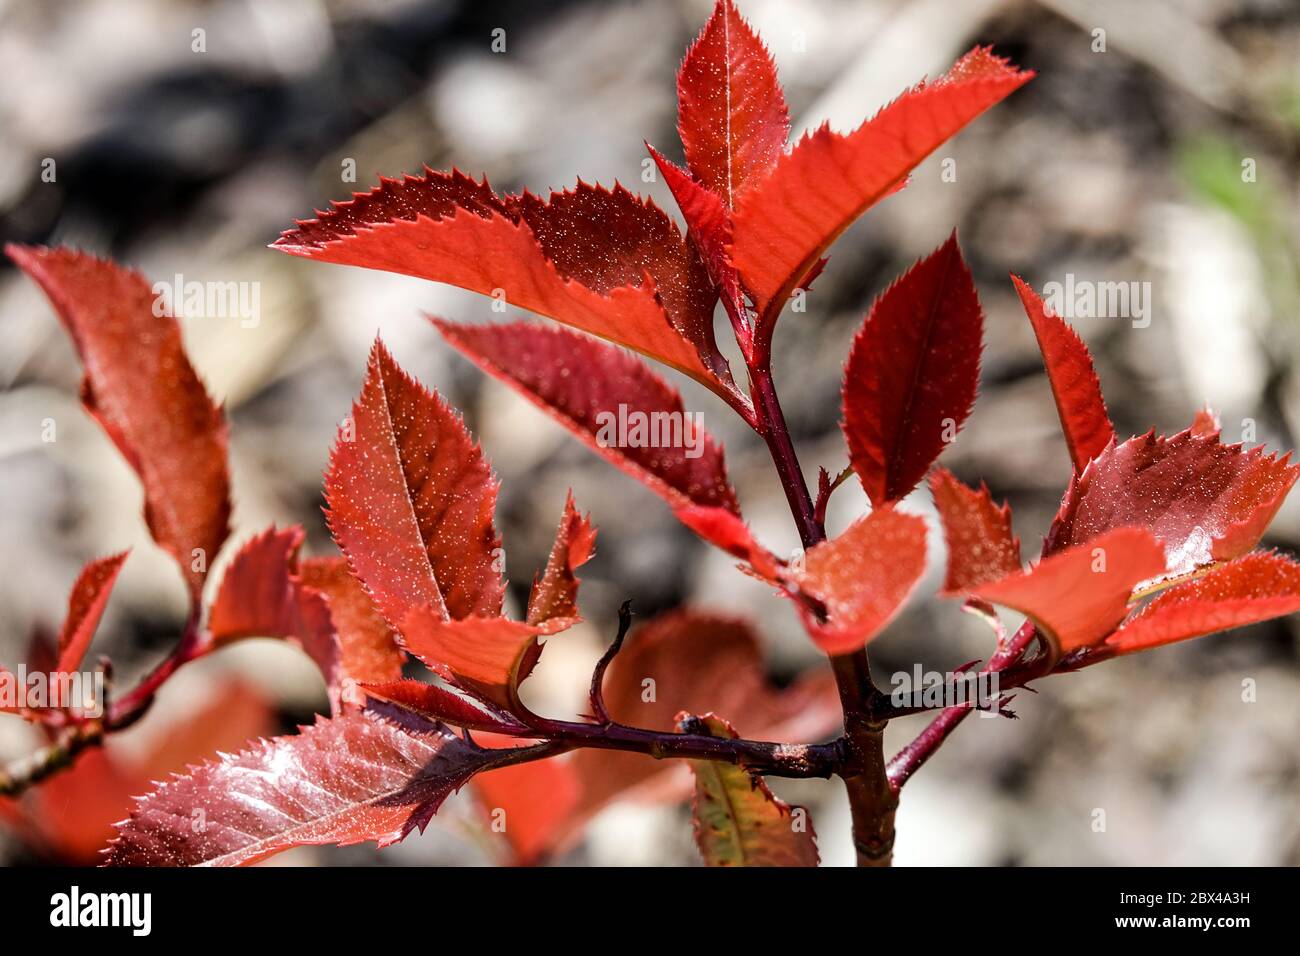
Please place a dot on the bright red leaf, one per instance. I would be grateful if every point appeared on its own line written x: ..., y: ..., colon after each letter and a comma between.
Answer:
x: 602, y: 261
x: 527, y: 802
x: 139, y: 385
x: 731, y: 113
x: 1205, y: 501
x: 785, y: 222
x: 862, y: 578
x: 1077, y: 597
x: 981, y: 546
x: 411, y: 500
x: 342, y: 781
x: 1075, y: 387
x: 440, y: 704
x: 554, y: 597
x: 85, y: 608
x: 485, y: 656
x: 912, y: 373
x: 1253, y: 588
x: 600, y: 394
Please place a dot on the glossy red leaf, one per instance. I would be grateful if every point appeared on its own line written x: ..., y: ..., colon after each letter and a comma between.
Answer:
x: 85, y: 607
x: 411, y: 500
x: 1205, y: 501
x: 602, y: 261
x: 738, y: 821
x: 981, y: 545
x: 485, y: 656
x: 1255, y: 587
x: 785, y: 222
x: 554, y: 597
x: 139, y: 385
x: 1077, y: 597
x: 342, y: 781
x: 731, y: 112
x: 1075, y: 387
x: 589, y: 388
x: 912, y: 373
x: 862, y: 578
x: 1206, y: 423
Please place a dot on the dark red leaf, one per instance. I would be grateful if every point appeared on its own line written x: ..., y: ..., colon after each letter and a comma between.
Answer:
x: 554, y: 597
x: 1084, y: 418
x: 731, y: 113
x: 411, y: 499
x: 862, y: 578
x: 1205, y: 501
x: 785, y: 222
x: 344, y: 780
x: 1253, y: 588
x: 586, y: 387
x: 139, y: 385
x: 981, y: 546
x: 912, y: 373
x: 1077, y: 597
x: 85, y: 608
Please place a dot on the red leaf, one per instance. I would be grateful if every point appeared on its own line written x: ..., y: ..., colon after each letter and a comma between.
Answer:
x: 738, y: 821
x: 555, y: 591
x: 344, y: 780
x: 912, y: 374
x: 583, y: 385
x: 438, y: 703
x: 139, y: 385
x: 1206, y: 423
x: 1074, y: 381
x: 727, y: 531
x: 785, y: 222
x: 981, y: 547
x: 411, y: 499
x: 863, y: 577
x: 731, y: 113
x: 485, y: 656
x: 368, y: 648
x: 1204, y: 500
x: 85, y: 608
x: 601, y: 261
x: 261, y: 595
x: 1080, y: 595
x: 1253, y: 588
x: 69, y: 817
x: 709, y: 222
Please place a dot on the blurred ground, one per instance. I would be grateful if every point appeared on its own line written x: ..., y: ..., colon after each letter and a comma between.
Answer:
x: 1123, y: 164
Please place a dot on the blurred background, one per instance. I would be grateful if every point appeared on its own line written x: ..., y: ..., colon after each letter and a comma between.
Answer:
x: 1158, y: 145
